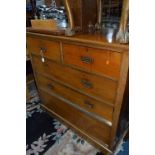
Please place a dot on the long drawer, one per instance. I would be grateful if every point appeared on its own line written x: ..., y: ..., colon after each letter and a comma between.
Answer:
x: 95, y: 86
x: 44, y: 48
x: 99, y: 61
x: 91, y: 127
x: 81, y: 100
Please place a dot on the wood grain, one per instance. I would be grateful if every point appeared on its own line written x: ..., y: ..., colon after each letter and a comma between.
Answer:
x: 83, y: 101
x: 57, y: 32
x: 90, y: 40
x: 93, y: 141
x: 84, y: 11
x: 119, y: 96
x: 46, y: 24
x: 99, y: 87
x: 92, y: 127
x: 52, y: 48
x: 104, y: 62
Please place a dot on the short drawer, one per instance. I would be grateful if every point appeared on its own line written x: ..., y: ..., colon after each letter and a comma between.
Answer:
x: 44, y: 48
x: 99, y: 61
x: 90, y: 126
x: 98, y: 87
x: 81, y: 100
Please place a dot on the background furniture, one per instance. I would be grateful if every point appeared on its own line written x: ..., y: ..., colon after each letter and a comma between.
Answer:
x: 30, y: 11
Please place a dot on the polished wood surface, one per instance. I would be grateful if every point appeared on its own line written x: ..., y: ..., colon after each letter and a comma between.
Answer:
x: 92, y: 127
x: 83, y: 101
x: 90, y: 40
x: 120, y: 93
x: 104, y: 62
x: 83, y: 74
x: 101, y: 88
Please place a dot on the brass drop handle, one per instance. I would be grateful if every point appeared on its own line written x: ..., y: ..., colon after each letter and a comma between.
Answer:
x: 42, y: 51
x: 86, y: 59
x: 88, y: 104
x: 86, y: 83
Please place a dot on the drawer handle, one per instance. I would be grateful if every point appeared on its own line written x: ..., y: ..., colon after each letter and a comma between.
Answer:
x: 88, y: 104
x: 86, y: 83
x: 42, y: 50
x: 50, y: 86
x: 87, y: 60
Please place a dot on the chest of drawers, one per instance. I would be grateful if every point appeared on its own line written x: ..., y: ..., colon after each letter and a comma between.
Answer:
x: 81, y: 81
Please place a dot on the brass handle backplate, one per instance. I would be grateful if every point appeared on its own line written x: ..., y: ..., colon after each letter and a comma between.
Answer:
x: 42, y: 49
x: 86, y: 83
x: 87, y: 60
x: 88, y: 104
x: 50, y: 86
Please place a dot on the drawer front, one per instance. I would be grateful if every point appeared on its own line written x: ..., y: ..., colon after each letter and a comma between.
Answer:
x: 101, y: 88
x: 93, y: 60
x: 44, y: 48
x: 90, y: 126
x: 83, y: 101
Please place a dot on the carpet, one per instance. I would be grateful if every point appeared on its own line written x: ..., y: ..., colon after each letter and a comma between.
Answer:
x: 45, y: 135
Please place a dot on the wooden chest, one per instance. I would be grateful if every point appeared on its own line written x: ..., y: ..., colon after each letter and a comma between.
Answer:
x: 81, y: 81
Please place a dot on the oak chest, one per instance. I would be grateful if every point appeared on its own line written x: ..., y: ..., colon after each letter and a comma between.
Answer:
x: 81, y: 81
